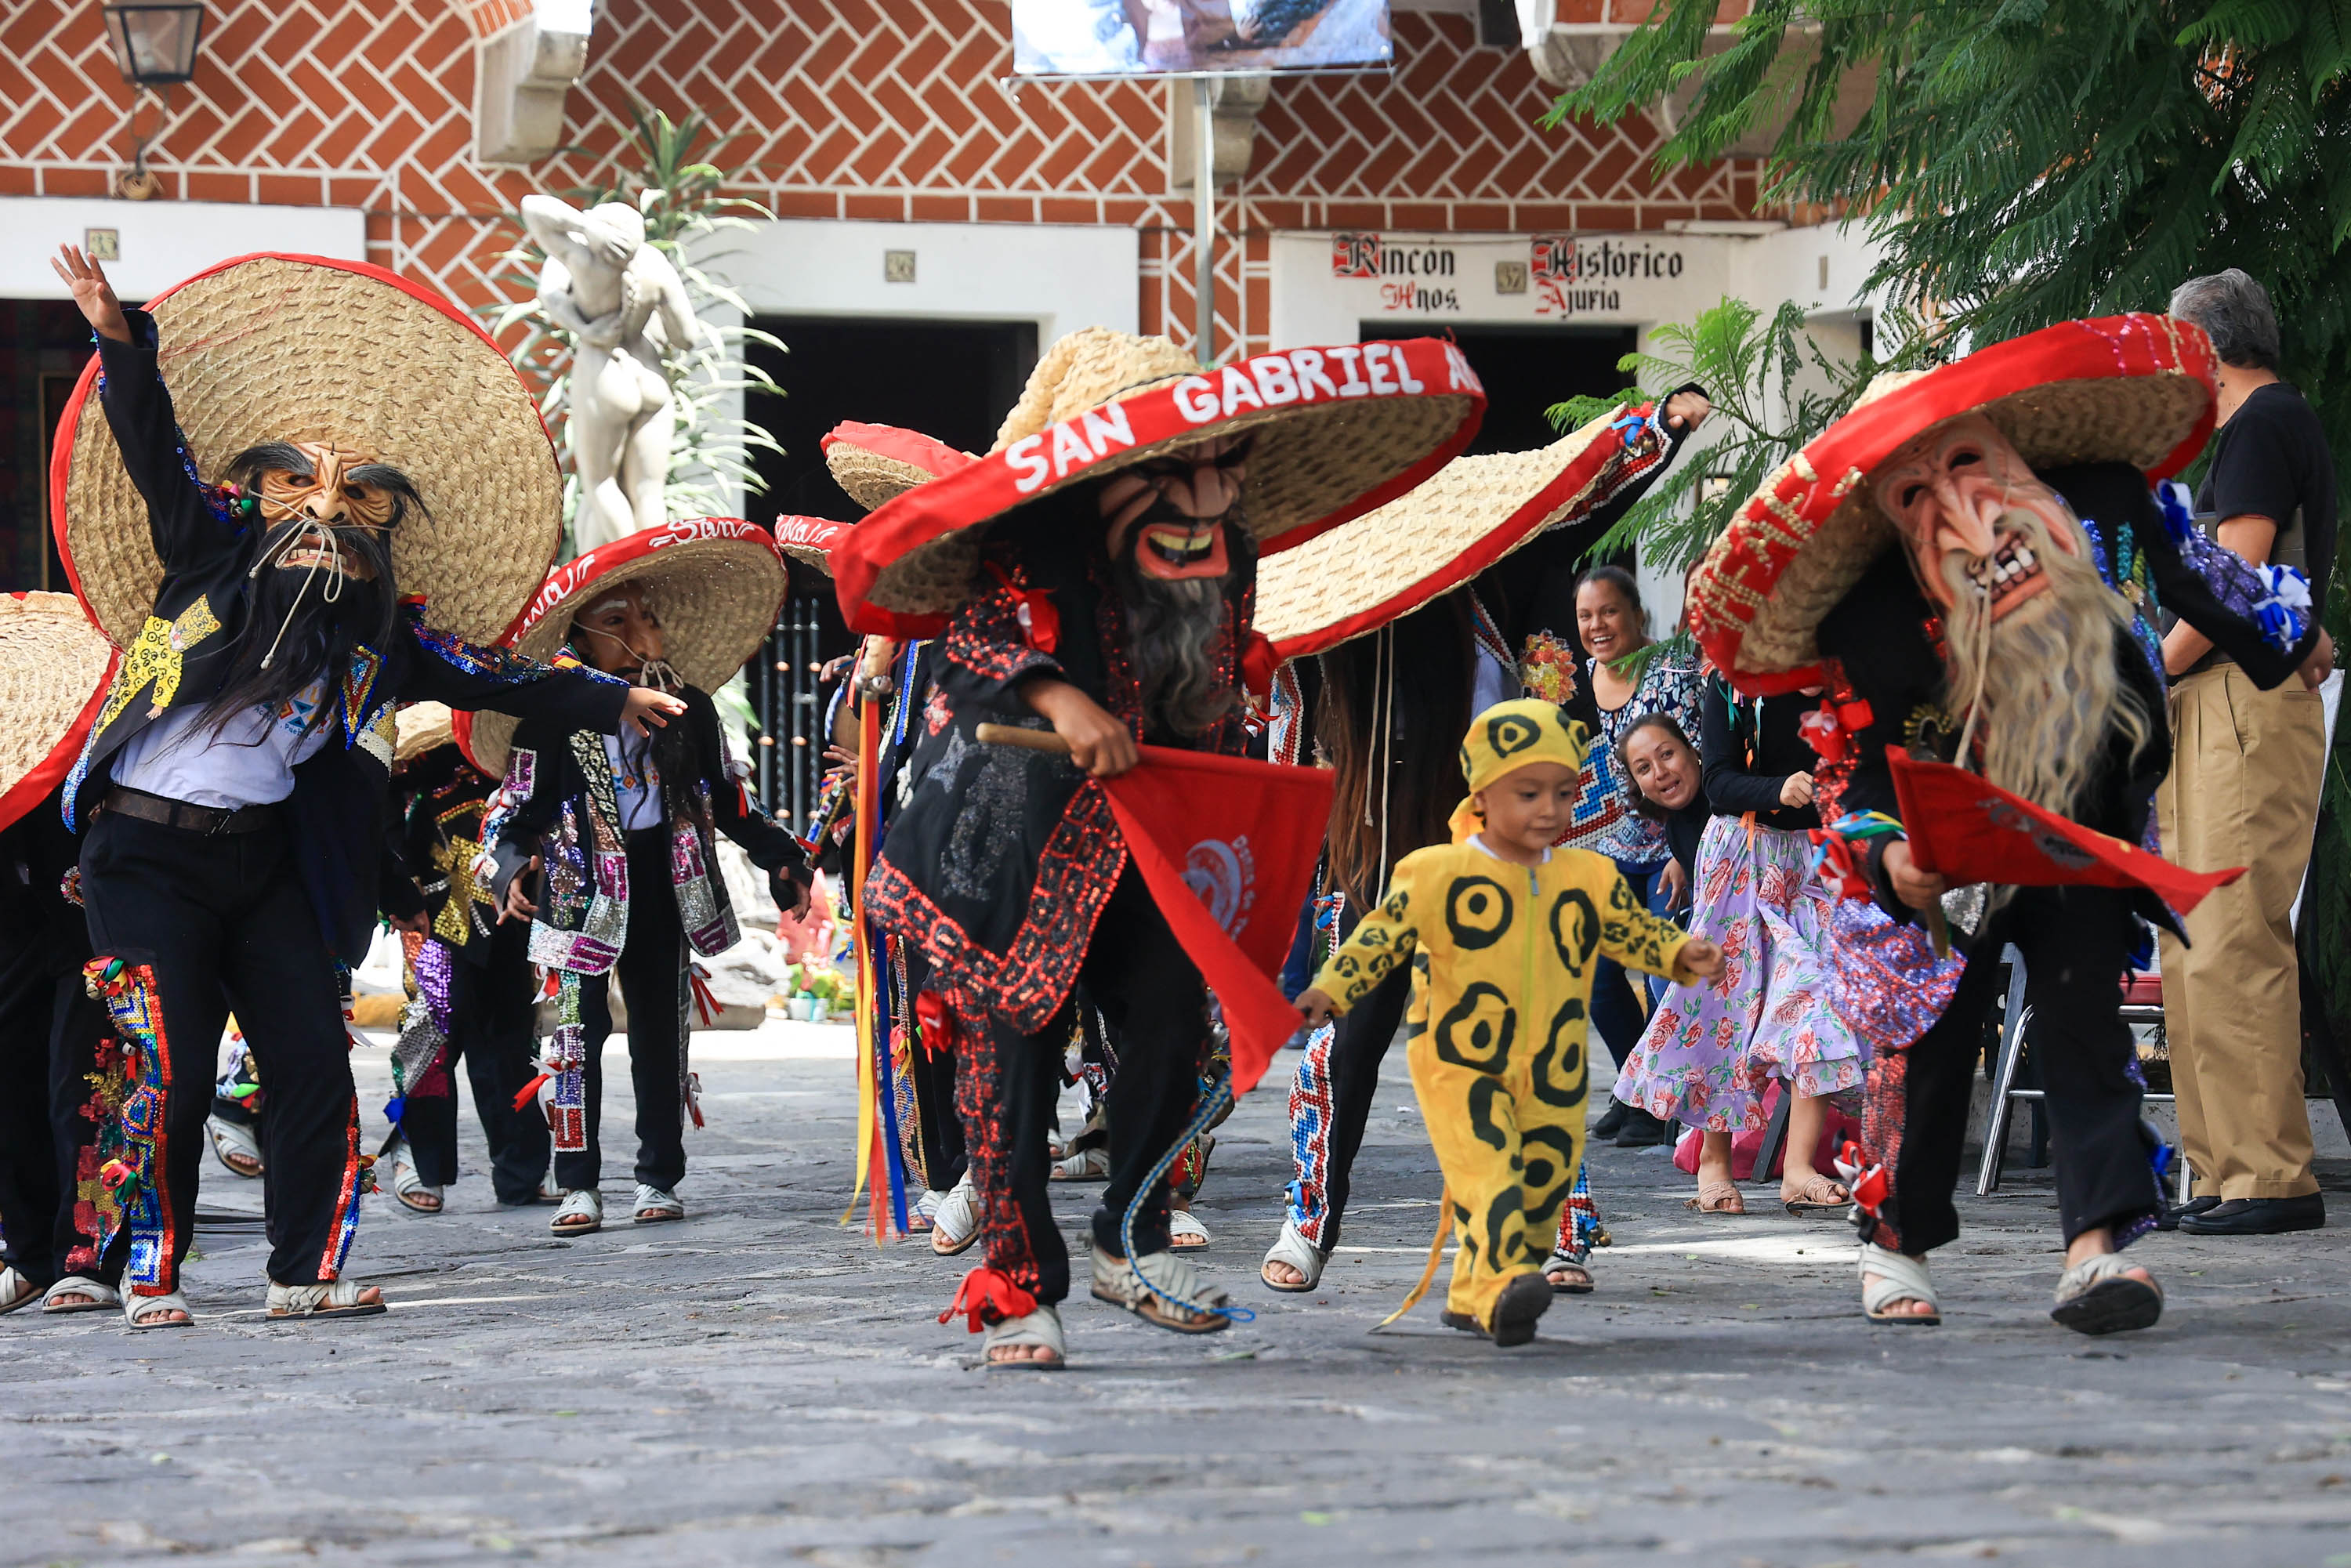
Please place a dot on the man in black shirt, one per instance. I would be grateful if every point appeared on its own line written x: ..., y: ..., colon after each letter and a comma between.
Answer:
x: 2243, y: 790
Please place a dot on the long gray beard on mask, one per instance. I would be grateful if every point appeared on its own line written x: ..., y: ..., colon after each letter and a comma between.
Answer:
x: 2044, y: 685
x: 1172, y: 632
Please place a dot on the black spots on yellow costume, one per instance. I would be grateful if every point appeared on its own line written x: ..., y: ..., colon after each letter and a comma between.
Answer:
x: 1502, y: 958
x: 1495, y: 1035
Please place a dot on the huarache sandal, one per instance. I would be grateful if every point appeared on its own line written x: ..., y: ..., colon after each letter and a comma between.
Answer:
x: 1292, y: 1249
x: 1086, y: 1165
x: 1717, y: 1197
x: 15, y: 1291
x: 340, y: 1299
x: 582, y: 1214
x: 2096, y: 1296
x: 656, y: 1206
x: 1522, y: 1300
x: 955, y: 1225
x: 1897, y: 1278
x: 238, y: 1149
x: 1184, y: 1303
x: 1463, y: 1322
x: 407, y: 1185
x: 1577, y: 1276
x: 1039, y: 1330
x: 155, y: 1311
x: 96, y: 1297
x: 1184, y: 1233
x: 1819, y: 1195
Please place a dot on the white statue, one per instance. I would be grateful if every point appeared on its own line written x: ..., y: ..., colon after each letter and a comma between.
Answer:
x: 622, y: 302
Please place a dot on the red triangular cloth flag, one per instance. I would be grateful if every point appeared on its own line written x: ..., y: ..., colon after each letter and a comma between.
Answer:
x: 1968, y: 830
x: 1227, y: 847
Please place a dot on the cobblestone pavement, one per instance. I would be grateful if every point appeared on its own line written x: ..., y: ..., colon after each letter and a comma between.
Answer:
x: 761, y: 1384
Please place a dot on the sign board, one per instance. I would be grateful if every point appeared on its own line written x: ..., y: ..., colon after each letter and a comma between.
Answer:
x: 1194, y: 38
x: 1554, y: 278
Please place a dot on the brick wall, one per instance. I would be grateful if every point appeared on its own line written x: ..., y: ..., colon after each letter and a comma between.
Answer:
x: 850, y: 109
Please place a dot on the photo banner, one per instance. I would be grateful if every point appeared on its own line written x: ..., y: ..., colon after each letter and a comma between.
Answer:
x: 1196, y: 37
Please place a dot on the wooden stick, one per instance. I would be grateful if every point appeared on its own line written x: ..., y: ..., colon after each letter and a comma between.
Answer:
x: 1013, y: 735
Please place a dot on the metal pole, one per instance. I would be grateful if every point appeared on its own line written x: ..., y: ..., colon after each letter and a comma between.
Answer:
x: 1204, y: 220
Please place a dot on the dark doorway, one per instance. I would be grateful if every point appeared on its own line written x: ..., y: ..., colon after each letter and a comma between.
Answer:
x: 44, y: 343
x: 952, y: 381
x: 1527, y: 369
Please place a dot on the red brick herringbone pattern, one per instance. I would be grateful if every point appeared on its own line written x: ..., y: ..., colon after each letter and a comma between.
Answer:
x: 890, y: 109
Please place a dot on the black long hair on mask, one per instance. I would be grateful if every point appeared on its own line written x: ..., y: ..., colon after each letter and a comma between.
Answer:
x: 1426, y: 669
x: 318, y: 637
x: 1173, y: 628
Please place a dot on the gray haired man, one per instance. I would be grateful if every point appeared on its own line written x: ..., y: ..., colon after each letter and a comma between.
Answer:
x: 2243, y: 790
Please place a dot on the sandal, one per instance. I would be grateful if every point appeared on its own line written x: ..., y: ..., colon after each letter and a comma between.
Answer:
x: 1563, y: 1262
x: 1522, y: 1300
x: 1292, y: 1248
x: 955, y: 1225
x: 407, y: 1185
x: 1717, y: 1197
x: 2096, y: 1296
x: 238, y: 1149
x: 141, y: 1313
x: 1193, y: 1307
x: 103, y: 1298
x: 582, y: 1214
x: 1086, y: 1165
x: 1463, y: 1322
x: 656, y: 1206
x: 1041, y: 1327
x: 340, y: 1299
x: 1899, y: 1279
x: 15, y: 1291
x: 547, y: 1191
x: 1181, y: 1224
x: 1821, y: 1194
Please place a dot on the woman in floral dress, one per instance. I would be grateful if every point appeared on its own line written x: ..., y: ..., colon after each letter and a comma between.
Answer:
x: 1712, y: 1048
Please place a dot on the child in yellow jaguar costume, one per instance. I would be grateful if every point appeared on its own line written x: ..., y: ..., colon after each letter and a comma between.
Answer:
x: 1502, y: 931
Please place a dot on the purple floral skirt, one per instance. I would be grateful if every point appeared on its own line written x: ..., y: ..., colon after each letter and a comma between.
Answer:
x: 1712, y: 1048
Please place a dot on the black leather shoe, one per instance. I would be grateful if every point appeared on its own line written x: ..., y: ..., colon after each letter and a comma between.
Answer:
x: 1611, y: 1122
x: 1643, y: 1131
x: 2258, y: 1216
x: 2173, y: 1213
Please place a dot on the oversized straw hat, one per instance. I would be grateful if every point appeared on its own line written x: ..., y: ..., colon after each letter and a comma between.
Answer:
x: 1338, y: 431
x: 879, y: 463
x: 716, y: 584
x: 2134, y: 388
x: 421, y: 727
x: 54, y: 668
x: 808, y: 540
x: 303, y: 348
x: 1453, y: 524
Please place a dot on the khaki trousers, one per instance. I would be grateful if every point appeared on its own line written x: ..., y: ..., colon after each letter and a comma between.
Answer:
x: 2243, y: 790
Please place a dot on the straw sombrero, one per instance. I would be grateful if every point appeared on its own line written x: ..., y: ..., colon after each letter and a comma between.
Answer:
x: 2134, y: 388
x: 879, y: 463
x: 423, y: 726
x: 1453, y: 524
x: 302, y: 347
x: 53, y: 669
x: 715, y: 583
x: 1338, y: 431
x: 808, y: 540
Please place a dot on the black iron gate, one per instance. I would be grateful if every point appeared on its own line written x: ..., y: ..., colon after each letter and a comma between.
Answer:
x: 788, y: 707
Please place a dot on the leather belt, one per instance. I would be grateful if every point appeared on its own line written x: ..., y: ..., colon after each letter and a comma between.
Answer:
x: 206, y: 820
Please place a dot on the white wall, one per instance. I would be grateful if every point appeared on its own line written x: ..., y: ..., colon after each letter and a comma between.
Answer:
x: 1061, y: 277
x: 161, y: 241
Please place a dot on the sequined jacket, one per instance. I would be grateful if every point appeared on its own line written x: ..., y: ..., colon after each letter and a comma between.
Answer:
x: 178, y: 657
x: 558, y: 801
x: 437, y: 838
x: 999, y: 865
